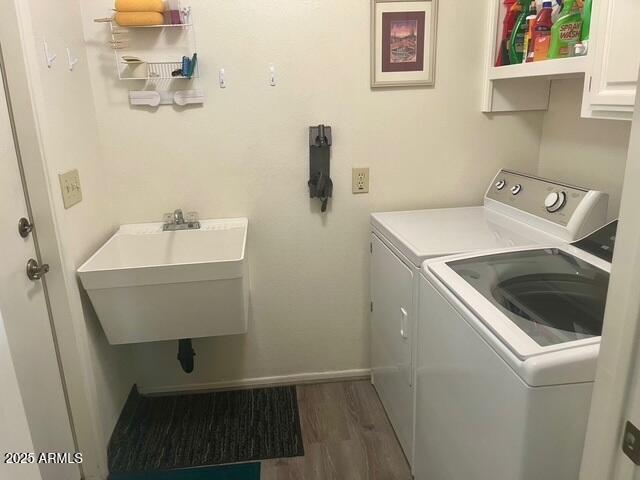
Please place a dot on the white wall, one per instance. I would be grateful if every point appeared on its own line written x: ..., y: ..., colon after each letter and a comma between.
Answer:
x: 62, y: 134
x: 245, y: 153
x: 585, y: 152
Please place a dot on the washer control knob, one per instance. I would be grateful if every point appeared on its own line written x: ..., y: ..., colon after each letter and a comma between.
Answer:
x: 516, y: 189
x: 500, y: 184
x: 555, y: 201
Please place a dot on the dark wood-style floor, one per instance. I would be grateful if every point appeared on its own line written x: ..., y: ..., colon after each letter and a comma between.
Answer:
x: 347, y: 436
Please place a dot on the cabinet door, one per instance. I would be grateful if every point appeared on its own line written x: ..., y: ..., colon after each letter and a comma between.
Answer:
x: 615, y: 39
x: 391, y: 338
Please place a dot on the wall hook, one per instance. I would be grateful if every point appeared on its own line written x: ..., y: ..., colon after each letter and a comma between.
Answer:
x: 72, y: 61
x: 221, y: 79
x: 48, y: 56
x: 272, y: 75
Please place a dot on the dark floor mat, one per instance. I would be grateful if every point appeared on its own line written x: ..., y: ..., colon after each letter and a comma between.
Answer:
x: 179, y: 431
x: 243, y: 471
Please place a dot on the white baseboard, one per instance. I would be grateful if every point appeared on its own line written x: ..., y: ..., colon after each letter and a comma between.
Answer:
x: 294, y: 379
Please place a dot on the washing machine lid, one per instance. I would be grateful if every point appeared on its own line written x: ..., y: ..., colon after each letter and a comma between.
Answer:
x: 423, y: 234
x: 535, y: 301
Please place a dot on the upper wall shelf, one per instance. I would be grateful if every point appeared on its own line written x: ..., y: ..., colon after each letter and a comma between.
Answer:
x: 609, y: 71
x: 565, y: 67
x: 155, y: 58
x: 525, y: 86
x: 173, y: 25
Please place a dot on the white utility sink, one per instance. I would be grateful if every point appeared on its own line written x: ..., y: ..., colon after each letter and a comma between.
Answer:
x: 148, y: 285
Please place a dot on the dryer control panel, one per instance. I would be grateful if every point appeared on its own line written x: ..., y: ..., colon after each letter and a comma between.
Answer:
x: 575, y: 208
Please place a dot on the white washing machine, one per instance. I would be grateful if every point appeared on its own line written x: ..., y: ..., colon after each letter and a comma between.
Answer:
x: 518, y: 210
x: 507, y: 352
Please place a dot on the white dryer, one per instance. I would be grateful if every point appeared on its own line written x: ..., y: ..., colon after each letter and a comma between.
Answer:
x: 518, y: 210
x: 507, y: 352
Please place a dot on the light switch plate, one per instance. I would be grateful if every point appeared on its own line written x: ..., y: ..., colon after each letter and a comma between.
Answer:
x: 360, y: 180
x: 70, y: 186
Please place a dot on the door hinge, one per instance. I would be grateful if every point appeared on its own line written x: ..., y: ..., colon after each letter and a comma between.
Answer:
x: 370, y: 247
x: 631, y: 442
x: 590, y: 80
x: 371, y: 306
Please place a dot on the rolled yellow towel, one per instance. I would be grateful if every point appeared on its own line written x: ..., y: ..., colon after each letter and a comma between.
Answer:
x: 139, y: 19
x: 140, y: 6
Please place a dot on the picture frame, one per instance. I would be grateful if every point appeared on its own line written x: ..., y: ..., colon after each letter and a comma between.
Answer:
x: 403, y: 43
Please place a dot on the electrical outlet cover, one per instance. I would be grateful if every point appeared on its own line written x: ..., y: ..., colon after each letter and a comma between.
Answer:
x: 70, y: 187
x: 360, y: 180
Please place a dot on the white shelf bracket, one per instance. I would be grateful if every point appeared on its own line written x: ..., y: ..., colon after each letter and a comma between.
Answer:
x: 72, y: 60
x: 49, y: 58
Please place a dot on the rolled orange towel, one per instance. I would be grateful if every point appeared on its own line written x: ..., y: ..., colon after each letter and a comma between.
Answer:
x: 140, y: 6
x: 139, y: 19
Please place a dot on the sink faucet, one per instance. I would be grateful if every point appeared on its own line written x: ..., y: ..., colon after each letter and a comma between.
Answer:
x: 176, y: 221
x: 178, y: 217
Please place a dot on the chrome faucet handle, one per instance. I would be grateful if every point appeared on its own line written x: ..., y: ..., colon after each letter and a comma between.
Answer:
x: 177, y: 221
x: 178, y: 217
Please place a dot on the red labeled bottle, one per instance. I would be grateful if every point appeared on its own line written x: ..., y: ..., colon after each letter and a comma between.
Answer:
x: 512, y: 8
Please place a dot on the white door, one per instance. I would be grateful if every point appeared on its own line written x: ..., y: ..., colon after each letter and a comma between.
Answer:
x: 617, y: 57
x: 15, y: 435
x: 391, y: 339
x: 29, y: 331
x: 616, y: 395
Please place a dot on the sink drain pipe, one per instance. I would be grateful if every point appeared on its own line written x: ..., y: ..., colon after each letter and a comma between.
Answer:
x: 186, y: 354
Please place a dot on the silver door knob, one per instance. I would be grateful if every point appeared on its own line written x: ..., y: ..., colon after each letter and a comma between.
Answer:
x: 25, y: 227
x: 35, y: 271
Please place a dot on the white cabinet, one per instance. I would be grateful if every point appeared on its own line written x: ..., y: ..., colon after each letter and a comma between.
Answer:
x: 391, y: 338
x: 610, y: 70
x: 610, y: 89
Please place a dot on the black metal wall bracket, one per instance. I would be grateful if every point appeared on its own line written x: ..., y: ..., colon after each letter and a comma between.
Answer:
x: 186, y: 354
x: 320, y: 184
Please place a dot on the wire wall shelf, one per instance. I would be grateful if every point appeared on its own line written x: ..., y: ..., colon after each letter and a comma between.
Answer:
x: 173, y: 25
x: 153, y: 71
x: 148, y: 57
x: 164, y: 60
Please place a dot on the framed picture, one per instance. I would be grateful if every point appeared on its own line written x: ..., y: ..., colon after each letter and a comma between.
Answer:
x: 403, y: 43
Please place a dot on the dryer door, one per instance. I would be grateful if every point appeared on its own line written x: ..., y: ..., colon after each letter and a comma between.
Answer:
x: 391, y: 338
